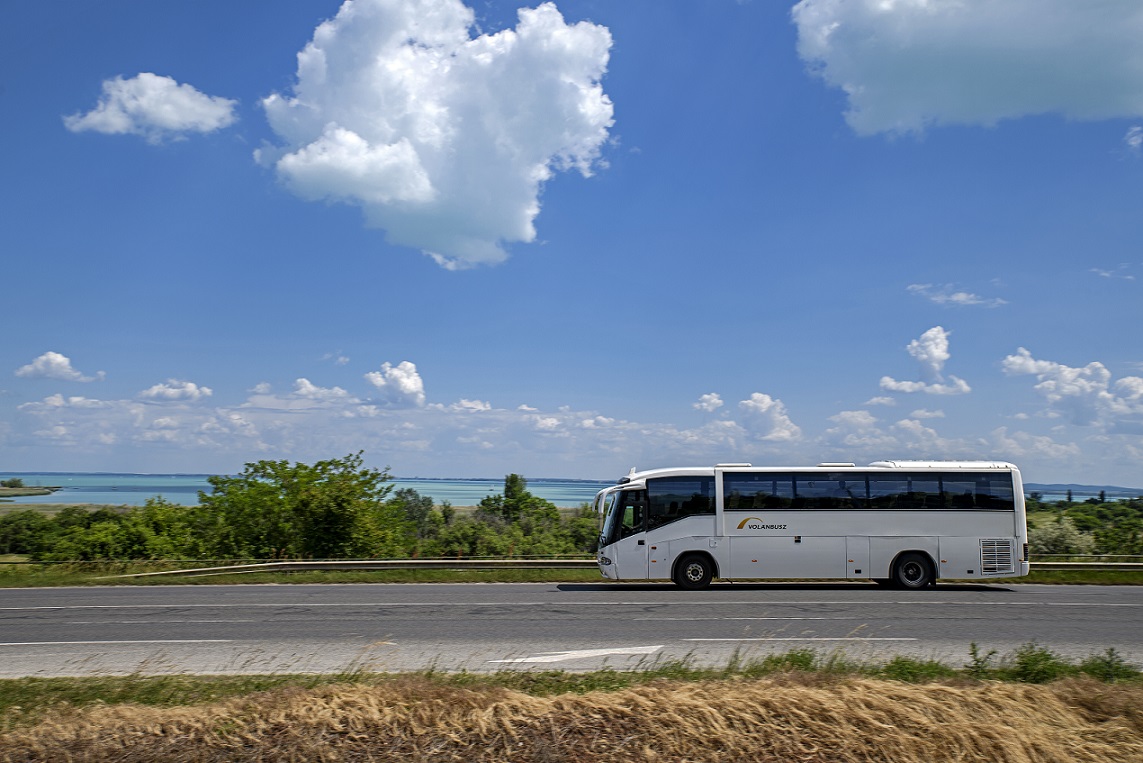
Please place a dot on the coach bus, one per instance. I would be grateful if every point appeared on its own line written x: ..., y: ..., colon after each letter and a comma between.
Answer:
x: 900, y: 523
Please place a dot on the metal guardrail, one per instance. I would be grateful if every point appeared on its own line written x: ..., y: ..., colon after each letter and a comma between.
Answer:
x: 1058, y: 566
x: 346, y: 565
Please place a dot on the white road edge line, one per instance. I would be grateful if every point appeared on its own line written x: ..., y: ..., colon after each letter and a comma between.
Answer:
x: 580, y: 654
x: 159, y: 641
x: 807, y: 638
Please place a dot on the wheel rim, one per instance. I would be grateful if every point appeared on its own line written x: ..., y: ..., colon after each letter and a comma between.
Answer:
x: 913, y: 572
x: 695, y: 572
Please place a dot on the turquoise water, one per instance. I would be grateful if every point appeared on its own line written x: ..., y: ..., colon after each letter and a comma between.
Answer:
x: 135, y: 489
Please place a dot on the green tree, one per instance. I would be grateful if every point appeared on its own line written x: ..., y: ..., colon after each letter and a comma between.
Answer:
x: 417, y: 509
x: 334, y: 508
x: 517, y: 505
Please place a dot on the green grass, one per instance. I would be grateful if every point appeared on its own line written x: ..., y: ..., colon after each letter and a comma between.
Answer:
x: 14, y: 575
x: 94, y: 573
x: 24, y: 701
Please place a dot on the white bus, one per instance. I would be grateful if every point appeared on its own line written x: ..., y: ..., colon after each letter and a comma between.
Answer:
x: 902, y: 523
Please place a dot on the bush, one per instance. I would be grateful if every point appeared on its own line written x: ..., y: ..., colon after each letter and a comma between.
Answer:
x: 1060, y: 537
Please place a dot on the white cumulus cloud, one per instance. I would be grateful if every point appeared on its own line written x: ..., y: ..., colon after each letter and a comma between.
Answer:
x: 1084, y: 394
x: 401, y: 385
x: 931, y: 351
x: 768, y: 419
x: 53, y: 365
x: 709, y: 402
x: 154, y: 107
x: 307, y: 390
x: 907, y: 64
x: 443, y: 139
x: 470, y: 405
x: 174, y: 390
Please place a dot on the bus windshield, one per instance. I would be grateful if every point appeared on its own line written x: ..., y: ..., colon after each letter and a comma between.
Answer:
x: 625, y: 515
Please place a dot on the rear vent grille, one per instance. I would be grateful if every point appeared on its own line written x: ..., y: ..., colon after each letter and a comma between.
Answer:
x: 996, y: 557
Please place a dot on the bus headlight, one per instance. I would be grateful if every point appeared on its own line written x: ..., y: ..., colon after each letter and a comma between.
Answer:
x: 604, y: 561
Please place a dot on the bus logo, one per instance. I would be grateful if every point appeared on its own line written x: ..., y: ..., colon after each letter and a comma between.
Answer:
x: 754, y: 523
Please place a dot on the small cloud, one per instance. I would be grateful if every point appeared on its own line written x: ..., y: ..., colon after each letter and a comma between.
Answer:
x: 883, y: 400
x: 174, y: 390
x: 931, y: 351
x: 401, y: 385
x: 305, y: 389
x: 954, y: 387
x: 709, y: 402
x: 154, y: 107
x: 53, y: 365
x: 1134, y: 139
x: 1118, y: 273
x: 470, y: 405
x: 768, y: 419
x: 924, y: 413
x: 336, y: 357
x: 950, y: 295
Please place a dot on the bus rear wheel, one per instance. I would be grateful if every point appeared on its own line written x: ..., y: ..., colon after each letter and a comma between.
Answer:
x: 694, y: 572
x: 914, y: 571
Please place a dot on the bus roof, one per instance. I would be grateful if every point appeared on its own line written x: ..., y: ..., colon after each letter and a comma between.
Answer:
x: 707, y: 471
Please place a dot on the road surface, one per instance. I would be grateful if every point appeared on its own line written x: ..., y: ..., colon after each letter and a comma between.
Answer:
x: 480, y: 627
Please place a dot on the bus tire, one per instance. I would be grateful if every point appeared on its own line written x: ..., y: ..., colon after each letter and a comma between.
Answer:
x: 913, y: 570
x: 694, y: 571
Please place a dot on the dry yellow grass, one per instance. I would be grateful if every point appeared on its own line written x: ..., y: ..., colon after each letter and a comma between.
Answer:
x: 784, y: 718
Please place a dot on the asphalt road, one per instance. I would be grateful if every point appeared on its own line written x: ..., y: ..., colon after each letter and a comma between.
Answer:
x: 328, y: 628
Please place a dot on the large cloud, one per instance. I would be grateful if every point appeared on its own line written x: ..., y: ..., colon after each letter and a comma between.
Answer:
x: 444, y: 140
x: 155, y: 107
x: 1085, y: 395
x: 907, y: 64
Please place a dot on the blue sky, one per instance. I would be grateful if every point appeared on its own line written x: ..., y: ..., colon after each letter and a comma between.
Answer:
x: 567, y: 239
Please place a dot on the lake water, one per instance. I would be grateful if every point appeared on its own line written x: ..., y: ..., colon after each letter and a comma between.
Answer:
x: 135, y: 489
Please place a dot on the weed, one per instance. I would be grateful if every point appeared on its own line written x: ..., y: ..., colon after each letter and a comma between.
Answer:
x: 979, y: 666
x: 1109, y: 667
x: 804, y: 660
x: 915, y: 671
x: 1034, y: 664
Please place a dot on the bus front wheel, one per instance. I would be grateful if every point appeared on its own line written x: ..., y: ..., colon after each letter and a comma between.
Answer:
x: 914, y: 571
x: 694, y: 572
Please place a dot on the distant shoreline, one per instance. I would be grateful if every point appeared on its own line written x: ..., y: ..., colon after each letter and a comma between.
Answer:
x: 20, y: 492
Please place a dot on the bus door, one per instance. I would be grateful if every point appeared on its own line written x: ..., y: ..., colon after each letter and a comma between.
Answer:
x: 629, y: 552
